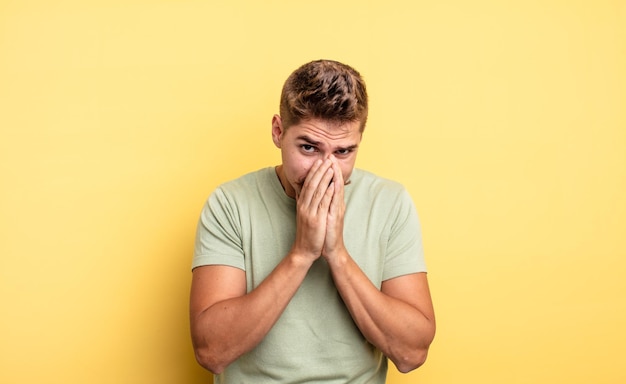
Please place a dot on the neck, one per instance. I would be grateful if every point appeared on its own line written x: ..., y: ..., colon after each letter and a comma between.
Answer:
x: 289, y: 191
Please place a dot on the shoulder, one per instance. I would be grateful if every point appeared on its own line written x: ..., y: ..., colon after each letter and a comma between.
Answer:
x: 244, y: 187
x: 368, y: 183
x: 371, y: 192
x: 239, y: 191
x: 247, y: 181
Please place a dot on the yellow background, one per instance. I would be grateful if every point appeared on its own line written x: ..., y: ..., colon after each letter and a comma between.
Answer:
x: 505, y: 120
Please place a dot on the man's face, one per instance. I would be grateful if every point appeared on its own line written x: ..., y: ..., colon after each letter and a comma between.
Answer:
x: 301, y: 144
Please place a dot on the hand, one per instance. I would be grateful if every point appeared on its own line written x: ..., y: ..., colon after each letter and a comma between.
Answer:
x: 333, y: 243
x: 312, y: 209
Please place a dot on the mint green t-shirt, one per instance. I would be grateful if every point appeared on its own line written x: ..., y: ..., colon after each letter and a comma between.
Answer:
x: 250, y: 223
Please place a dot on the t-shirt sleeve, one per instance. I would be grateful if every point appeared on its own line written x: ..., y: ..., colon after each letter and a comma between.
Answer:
x: 218, y: 235
x: 405, y: 252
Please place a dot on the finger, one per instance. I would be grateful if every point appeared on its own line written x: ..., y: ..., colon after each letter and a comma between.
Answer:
x: 320, y: 173
x: 338, y: 190
x: 317, y: 193
x: 339, y: 183
x: 325, y: 187
x: 327, y: 199
x: 307, y: 182
x: 338, y: 174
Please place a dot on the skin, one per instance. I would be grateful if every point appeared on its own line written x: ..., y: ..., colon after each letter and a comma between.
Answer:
x: 317, y: 158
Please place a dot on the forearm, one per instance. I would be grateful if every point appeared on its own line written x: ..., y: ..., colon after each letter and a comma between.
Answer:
x: 399, y: 329
x: 229, y: 328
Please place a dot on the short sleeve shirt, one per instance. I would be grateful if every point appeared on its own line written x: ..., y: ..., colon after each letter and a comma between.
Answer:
x: 250, y: 223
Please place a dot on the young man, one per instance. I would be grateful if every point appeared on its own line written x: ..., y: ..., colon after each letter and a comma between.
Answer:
x: 311, y: 271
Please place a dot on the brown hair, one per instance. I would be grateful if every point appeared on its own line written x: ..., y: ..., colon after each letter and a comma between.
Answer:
x: 324, y: 89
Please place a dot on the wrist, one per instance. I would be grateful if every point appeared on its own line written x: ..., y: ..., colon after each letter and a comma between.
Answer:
x: 337, y: 258
x: 300, y: 259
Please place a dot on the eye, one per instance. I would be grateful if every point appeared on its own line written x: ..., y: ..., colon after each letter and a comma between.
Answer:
x: 343, y: 152
x: 307, y: 148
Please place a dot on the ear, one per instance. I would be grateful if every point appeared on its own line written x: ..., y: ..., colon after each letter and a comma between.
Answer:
x: 277, y: 130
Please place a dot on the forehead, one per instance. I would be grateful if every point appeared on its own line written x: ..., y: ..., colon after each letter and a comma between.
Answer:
x: 326, y: 131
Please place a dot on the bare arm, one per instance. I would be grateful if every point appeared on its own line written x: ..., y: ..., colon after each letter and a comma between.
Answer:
x: 399, y: 318
x: 225, y: 321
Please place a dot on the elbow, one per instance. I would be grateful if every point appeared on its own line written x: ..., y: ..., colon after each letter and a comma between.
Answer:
x: 408, y: 363
x: 210, y: 361
x: 415, y: 356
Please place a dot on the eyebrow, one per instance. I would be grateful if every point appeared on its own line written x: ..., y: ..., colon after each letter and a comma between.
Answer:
x: 308, y: 140
x: 317, y: 143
